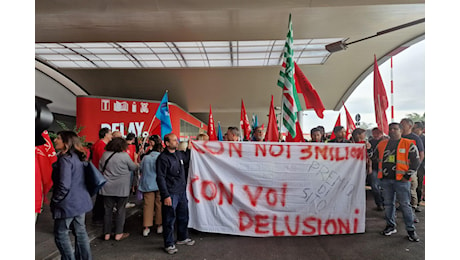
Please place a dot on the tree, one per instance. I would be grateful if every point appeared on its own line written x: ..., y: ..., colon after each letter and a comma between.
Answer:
x: 415, y: 117
x: 77, y: 130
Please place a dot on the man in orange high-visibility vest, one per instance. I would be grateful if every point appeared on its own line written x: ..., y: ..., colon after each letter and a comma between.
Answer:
x: 398, y: 160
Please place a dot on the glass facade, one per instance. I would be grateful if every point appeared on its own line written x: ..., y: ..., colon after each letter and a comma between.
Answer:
x: 202, y: 54
x: 188, y: 130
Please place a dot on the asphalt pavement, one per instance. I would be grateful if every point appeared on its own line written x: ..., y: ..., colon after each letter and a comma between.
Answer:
x: 369, y: 245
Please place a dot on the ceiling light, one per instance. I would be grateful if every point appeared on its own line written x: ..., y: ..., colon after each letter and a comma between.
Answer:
x: 341, y: 45
x: 336, y: 46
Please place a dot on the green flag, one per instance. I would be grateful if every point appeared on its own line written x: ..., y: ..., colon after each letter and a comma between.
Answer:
x: 290, y: 100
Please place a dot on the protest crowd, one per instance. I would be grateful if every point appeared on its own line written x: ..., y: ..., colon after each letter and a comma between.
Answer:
x: 157, y: 172
x: 232, y: 194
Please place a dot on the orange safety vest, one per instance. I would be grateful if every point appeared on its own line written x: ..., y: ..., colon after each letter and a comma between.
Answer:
x: 402, y: 157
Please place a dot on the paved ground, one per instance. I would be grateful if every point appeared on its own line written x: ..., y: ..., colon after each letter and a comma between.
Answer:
x: 370, y: 245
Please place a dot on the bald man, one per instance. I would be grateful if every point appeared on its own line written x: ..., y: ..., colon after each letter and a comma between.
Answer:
x: 172, y: 182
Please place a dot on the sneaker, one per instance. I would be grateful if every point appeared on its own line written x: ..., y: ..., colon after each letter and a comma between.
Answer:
x: 388, y: 231
x: 130, y: 205
x: 146, y: 232
x: 159, y: 229
x: 413, y: 237
x: 188, y: 242
x: 416, y: 220
x: 380, y: 208
x: 171, y: 249
x: 417, y: 209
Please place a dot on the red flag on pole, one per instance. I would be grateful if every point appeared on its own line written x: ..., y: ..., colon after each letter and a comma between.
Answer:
x: 272, y: 134
x: 380, y: 100
x: 350, y: 124
x: 211, y: 129
x: 45, y: 156
x: 298, y: 136
x: 311, y: 97
x: 244, y: 123
x: 337, y: 123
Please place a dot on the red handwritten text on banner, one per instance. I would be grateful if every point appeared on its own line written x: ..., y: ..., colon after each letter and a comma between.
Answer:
x: 277, y: 189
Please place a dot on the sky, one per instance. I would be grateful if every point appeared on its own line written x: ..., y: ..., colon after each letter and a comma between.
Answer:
x: 409, y: 92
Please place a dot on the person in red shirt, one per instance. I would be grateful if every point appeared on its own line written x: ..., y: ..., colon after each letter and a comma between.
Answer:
x: 105, y: 135
x: 98, y: 148
x: 132, y: 146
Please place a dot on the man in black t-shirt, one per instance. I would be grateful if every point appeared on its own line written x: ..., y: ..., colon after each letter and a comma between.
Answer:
x: 419, y: 129
x: 340, y: 135
x: 407, y: 125
x: 398, y: 160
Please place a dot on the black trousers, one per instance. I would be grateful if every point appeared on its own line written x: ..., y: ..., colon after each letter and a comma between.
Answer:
x: 119, y: 203
x: 420, y: 175
x: 98, y: 209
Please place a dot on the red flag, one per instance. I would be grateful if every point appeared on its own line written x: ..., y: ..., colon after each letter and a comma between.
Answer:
x: 244, y: 123
x: 272, y: 134
x: 45, y: 156
x: 311, y: 97
x: 337, y: 123
x: 38, y: 185
x: 380, y: 100
x: 211, y: 129
x: 350, y: 124
x: 298, y: 136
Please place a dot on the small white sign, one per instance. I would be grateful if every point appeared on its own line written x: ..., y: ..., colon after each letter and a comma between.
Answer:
x: 144, y: 107
x: 134, y: 107
x: 120, y: 106
x: 105, y: 104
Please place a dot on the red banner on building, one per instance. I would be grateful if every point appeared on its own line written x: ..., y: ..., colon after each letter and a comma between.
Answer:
x: 127, y: 116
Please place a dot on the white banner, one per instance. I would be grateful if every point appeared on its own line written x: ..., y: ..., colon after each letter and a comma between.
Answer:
x: 277, y: 189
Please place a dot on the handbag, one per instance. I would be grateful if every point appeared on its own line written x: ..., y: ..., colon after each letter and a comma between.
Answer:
x: 106, y: 161
x: 139, y: 195
x: 94, y: 180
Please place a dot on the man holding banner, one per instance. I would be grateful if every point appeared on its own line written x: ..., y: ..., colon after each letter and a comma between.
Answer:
x: 233, y: 134
x: 172, y: 182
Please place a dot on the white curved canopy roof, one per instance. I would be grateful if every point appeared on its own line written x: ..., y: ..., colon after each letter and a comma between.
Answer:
x: 196, y: 87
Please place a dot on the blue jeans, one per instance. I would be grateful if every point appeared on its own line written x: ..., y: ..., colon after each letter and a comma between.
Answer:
x: 402, y: 191
x: 62, y: 239
x: 178, y: 211
x: 375, y: 185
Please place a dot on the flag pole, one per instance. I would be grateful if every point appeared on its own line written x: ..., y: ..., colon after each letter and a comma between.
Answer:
x: 392, y: 107
x: 282, y: 115
x: 241, y: 121
x: 148, y: 131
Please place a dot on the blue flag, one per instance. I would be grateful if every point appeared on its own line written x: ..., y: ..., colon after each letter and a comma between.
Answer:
x: 219, y: 132
x: 254, y: 121
x: 163, y: 115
